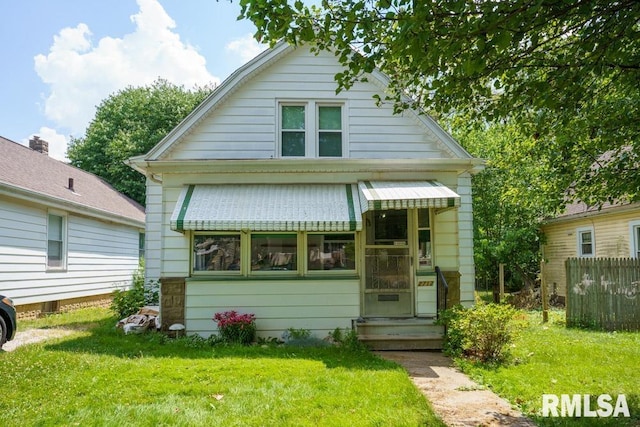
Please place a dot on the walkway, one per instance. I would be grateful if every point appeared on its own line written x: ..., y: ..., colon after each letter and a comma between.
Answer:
x: 456, y: 399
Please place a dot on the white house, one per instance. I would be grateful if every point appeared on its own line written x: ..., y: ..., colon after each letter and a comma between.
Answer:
x: 307, y: 208
x: 67, y: 238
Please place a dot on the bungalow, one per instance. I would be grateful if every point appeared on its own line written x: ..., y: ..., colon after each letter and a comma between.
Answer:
x: 67, y: 238
x: 310, y: 209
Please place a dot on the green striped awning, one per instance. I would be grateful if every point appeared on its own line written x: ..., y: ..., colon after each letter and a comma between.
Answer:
x: 378, y: 195
x: 267, y: 207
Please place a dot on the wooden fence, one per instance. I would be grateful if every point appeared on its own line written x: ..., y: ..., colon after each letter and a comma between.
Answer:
x: 603, y: 293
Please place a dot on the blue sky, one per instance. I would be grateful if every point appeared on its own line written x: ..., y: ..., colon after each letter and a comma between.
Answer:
x: 62, y: 58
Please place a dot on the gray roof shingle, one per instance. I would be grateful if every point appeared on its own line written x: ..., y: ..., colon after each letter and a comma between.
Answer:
x: 27, y: 170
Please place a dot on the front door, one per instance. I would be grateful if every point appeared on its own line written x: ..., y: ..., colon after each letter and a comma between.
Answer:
x: 388, y: 287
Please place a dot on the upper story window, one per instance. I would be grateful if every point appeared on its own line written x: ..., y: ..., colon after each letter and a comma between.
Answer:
x: 293, y: 131
x: 586, y: 242
x: 329, y: 131
x: 311, y: 129
x: 56, y: 241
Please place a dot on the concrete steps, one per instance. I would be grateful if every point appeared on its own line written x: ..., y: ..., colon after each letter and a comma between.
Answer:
x: 400, y: 334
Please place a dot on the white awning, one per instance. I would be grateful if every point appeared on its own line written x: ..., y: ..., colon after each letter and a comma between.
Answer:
x: 378, y: 195
x: 264, y: 207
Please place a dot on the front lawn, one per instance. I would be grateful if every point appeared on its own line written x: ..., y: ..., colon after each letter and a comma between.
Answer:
x: 98, y: 376
x: 551, y: 359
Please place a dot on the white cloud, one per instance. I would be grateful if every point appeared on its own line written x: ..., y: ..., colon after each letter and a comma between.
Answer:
x: 246, y: 47
x: 57, y: 143
x: 80, y: 74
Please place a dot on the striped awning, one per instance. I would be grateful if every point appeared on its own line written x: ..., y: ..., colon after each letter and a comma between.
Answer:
x: 377, y: 195
x: 267, y: 207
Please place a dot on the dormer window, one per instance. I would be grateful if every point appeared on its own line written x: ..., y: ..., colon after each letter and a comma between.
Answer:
x: 311, y: 129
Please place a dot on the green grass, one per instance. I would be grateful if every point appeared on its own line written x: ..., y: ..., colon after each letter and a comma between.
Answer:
x: 550, y: 358
x: 100, y: 377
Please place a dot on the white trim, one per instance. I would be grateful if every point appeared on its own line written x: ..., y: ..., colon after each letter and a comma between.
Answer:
x: 579, y: 232
x: 634, y: 238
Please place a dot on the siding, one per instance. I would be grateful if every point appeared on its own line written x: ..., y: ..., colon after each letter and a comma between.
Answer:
x: 317, y: 305
x: 612, y: 240
x: 153, y: 231
x: 100, y: 256
x: 244, y: 125
x: 465, y: 241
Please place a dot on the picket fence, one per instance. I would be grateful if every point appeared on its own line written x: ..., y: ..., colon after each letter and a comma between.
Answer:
x: 604, y: 293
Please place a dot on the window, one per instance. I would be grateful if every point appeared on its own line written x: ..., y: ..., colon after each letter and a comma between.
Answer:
x: 634, y: 228
x: 586, y: 244
x: 329, y: 131
x: 141, y: 247
x: 271, y: 252
x: 293, y: 131
x: 389, y: 228
x: 216, y: 252
x: 311, y: 129
x: 331, y: 252
x: 56, y: 232
x: 425, y: 256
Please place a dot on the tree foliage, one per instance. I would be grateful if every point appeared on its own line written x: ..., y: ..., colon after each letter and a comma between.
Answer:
x: 510, y: 197
x: 568, y: 71
x: 129, y: 123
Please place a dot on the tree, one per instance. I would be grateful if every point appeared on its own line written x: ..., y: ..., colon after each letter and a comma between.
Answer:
x: 510, y: 197
x: 129, y: 123
x: 567, y: 71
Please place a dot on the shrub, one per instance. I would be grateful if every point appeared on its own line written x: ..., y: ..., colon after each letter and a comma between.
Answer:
x: 295, y: 334
x: 127, y: 302
x: 347, y: 338
x: 483, y: 332
x: 235, y: 327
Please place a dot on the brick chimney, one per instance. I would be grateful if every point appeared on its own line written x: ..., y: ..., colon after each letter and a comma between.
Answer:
x: 39, y: 145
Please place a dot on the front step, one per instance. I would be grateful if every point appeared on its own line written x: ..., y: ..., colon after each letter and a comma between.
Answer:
x: 400, y: 334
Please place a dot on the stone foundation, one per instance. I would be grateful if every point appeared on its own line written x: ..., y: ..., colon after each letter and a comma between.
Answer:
x: 36, y: 310
x: 172, y: 301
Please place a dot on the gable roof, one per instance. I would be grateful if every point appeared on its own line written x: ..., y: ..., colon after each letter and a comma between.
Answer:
x: 246, y: 73
x: 34, y: 176
x: 579, y: 210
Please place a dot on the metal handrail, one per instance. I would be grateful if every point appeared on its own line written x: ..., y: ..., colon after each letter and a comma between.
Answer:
x: 441, y: 282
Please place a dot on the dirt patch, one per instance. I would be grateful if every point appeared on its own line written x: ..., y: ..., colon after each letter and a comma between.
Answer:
x: 455, y: 398
x: 31, y: 336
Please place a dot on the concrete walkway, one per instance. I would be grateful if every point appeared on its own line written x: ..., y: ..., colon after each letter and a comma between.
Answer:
x: 456, y: 399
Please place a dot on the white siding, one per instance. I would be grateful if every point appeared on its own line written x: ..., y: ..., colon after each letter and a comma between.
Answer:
x: 465, y: 236
x: 317, y: 305
x: 100, y: 256
x: 426, y: 296
x: 244, y: 124
x: 153, y: 231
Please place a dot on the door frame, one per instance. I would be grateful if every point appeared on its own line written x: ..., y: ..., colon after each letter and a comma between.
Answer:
x: 406, y: 307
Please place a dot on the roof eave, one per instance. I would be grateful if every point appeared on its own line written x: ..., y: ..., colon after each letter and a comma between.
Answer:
x: 25, y: 194
x: 467, y: 165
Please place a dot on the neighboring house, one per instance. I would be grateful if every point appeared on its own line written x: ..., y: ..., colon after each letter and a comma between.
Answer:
x: 308, y: 208
x: 67, y: 238
x: 582, y: 231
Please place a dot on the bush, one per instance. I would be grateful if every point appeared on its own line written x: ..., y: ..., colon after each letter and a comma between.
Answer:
x: 235, y: 327
x: 127, y: 302
x: 483, y: 332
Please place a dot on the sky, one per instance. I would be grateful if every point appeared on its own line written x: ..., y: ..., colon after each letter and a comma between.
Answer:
x: 59, y: 59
